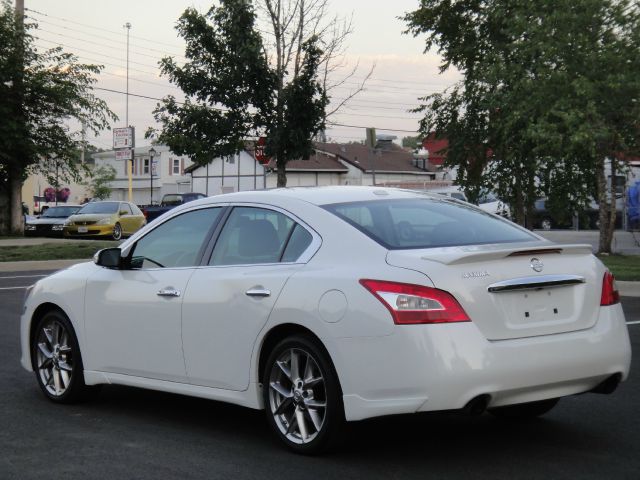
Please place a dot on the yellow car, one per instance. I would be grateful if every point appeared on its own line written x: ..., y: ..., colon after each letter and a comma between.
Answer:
x: 99, y: 219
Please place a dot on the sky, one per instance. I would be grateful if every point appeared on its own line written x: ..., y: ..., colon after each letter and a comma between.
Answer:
x: 94, y: 31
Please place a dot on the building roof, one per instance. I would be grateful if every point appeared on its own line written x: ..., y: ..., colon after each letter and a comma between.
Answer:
x: 393, y: 159
x: 317, y: 162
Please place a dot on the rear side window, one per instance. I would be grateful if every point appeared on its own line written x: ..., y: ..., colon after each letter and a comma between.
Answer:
x: 254, y: 236
x: 426, y: 223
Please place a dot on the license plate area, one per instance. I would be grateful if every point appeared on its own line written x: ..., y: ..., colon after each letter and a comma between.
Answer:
x: 83, y: 229
x: 531, y: 308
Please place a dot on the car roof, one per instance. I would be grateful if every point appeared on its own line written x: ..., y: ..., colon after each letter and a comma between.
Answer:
x: 317, y: 195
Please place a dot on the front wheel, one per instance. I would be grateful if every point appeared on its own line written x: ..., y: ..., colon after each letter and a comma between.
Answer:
x: 302, y: 396
x: 117, y: 232
x: 57, y: 361
x: 525, y: 411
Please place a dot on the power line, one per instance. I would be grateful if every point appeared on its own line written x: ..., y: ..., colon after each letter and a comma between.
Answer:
x: 369, y: 126
x: 94, y: 27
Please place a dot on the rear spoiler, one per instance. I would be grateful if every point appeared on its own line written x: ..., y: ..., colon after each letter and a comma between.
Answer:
x: 483, y: 253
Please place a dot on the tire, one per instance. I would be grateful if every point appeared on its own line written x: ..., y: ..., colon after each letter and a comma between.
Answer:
x: 525, y: 411
x: 56, y: 359
x: 117, y: 232
x: 312, y: 396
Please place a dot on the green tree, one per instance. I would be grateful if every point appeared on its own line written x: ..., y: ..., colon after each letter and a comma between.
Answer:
x: 40, y: 91
x: 100, y: 181
x: 412, y: 142
x: 234, y: 89
x: 550, y: 89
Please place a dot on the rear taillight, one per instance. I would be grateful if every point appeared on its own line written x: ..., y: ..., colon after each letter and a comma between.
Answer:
x: 610, y: 294
x: 414, y: 304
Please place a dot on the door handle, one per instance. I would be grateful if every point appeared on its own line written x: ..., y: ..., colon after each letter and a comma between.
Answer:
x: 258, y: 292
x: 168, y: 292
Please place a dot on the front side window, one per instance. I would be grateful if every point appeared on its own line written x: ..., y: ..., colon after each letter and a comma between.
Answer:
x: 177, y: 242
x: 257, y: 235
x: 125, y: 207
x: 426, y: 223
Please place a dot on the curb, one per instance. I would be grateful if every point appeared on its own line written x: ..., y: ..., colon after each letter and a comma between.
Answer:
x: 34, y: 265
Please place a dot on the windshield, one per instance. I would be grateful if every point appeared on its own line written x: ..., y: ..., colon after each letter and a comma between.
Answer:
x: 426, y: 223
x: 60, y: 212
x: 99, y: 207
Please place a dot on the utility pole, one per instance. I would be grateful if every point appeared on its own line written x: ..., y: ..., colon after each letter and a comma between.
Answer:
x: 130, y: 161
x: 16, y: 219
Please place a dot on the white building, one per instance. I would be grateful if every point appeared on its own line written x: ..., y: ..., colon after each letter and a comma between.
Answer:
x: 168, y: 174
x: 330, y: 164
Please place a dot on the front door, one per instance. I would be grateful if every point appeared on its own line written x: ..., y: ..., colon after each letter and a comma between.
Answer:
x: 133, y: 316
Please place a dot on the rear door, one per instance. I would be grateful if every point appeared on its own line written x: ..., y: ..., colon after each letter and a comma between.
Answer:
x: 228, y: 302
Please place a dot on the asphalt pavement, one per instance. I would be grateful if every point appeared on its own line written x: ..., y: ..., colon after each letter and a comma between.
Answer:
x: 131, y: 433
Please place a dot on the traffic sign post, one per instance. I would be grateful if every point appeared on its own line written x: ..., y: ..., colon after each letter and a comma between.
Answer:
x: 124, y: 141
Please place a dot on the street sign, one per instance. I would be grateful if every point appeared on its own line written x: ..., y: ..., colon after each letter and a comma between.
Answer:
x: 124, y: 154
x: 259, y: 152
x: 123, y: 137
x: 154, y: 167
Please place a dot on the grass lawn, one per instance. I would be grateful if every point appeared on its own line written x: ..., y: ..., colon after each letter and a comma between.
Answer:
x: 623, y: 267
x: 53, y: 251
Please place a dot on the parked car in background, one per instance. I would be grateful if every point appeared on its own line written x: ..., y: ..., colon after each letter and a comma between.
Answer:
x: 544, y: 219
x: 453, y: 192
x: 169, y: 201
x: 488, y: 201
x: 105, y: 219
x: 51, y: 222
x: 308, y: 303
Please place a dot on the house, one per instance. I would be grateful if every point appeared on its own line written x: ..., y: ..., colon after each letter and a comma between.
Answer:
x: 168, y: 171
x: 330, y: 164
x: 243, y: 172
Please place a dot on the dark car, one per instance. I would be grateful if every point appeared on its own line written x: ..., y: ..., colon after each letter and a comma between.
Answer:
x: 50, y: 223
x: 169, y: 201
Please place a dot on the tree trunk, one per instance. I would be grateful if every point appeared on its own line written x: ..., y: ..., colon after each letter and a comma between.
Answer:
x: 604, y: 245
x: 282, y: 174
x: 15, y: 202
x: 519, y: 205
x: 5, y: 209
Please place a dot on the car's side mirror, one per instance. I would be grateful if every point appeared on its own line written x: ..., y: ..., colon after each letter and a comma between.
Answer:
x: 108, y: 258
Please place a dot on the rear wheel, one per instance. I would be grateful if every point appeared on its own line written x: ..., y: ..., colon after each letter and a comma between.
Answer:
x: 525, y: 410
x: 57, y: 361
x: 301, y: 396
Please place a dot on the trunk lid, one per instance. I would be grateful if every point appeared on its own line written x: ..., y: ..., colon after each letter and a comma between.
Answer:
x: 512, y: 291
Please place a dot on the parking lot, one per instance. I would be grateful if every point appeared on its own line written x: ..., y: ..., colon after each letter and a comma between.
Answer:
x: 130, y: 433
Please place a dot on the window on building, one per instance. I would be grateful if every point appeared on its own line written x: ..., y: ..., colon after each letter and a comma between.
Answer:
x: 145, y: 166
x: 175, y: 166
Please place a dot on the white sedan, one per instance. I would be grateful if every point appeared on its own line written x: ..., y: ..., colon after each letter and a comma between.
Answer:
x: 321, y: 305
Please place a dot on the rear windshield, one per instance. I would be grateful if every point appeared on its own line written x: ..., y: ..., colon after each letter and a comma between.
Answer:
x: 426, y: 223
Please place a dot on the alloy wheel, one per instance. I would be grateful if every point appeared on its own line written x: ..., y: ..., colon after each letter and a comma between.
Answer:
x: 297, y: 396
x: 117, y: 232
x: 54, y: 358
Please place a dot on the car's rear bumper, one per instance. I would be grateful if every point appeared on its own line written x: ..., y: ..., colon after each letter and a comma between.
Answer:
x: 442, y: 367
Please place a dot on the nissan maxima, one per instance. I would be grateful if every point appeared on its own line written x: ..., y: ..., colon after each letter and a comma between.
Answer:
x: 334, y: 304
